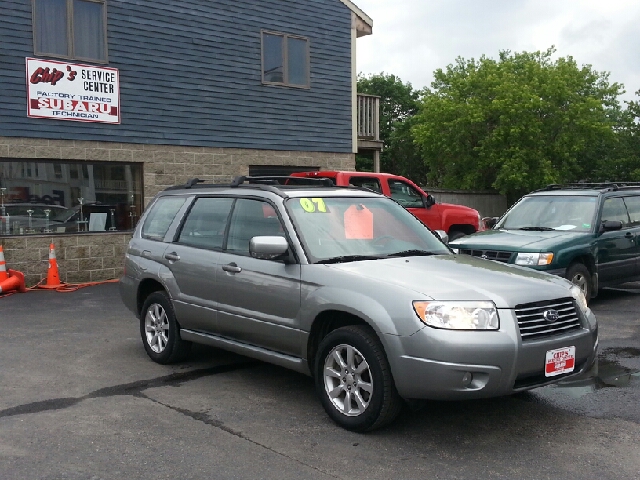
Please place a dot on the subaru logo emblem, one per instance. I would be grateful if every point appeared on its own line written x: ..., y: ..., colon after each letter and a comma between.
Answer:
x: 550, y: 315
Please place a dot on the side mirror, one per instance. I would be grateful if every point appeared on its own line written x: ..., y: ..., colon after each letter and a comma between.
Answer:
x: 443, y: 235
x: 610, y: 226
x: 268, y: 248
x: 490, y: 222
x: 429, y: 201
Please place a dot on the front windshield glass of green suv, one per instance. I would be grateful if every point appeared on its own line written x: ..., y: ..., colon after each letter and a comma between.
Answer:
x: 346, y: 229
x: 551, y: 212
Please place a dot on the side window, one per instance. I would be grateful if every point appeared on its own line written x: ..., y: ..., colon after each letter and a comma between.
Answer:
x: 161, y: 216
x: 204, y: 227
x: 615, y: 209
x: 366, y: 182
x: 633, y: 207
x: 251, y: 218
x: 405, y: 194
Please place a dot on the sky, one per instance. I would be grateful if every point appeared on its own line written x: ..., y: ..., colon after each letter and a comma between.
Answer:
x: 413, y: 38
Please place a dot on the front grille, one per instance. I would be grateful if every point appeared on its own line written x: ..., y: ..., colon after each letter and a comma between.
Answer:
x: 488, y: 254
x: 533, y: 325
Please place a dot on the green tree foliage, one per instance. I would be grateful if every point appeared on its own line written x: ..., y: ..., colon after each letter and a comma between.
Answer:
x: 517, y: 123
x: 398, y: 105
x: 623, y: 162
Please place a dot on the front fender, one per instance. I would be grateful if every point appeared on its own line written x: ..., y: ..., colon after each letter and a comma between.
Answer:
x: 567, y: 255
x: 358, y: 304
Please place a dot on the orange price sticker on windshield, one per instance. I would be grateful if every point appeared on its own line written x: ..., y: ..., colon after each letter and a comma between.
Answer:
x: 358, y: 222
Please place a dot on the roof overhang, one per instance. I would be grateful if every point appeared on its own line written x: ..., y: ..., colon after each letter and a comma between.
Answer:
x: 363, y: 22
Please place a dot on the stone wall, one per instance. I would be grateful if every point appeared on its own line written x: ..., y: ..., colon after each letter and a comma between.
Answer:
x: 81, y: 258
x: 99, y: 256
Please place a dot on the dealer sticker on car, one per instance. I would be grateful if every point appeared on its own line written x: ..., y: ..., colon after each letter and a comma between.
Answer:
x: 561, y: 360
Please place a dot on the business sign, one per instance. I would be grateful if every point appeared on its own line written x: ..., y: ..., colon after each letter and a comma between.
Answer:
x: 70, y: 91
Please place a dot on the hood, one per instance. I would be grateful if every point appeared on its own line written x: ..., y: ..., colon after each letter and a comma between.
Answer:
x: 518, y: 240
x: 461, y: 277
x: 460, y: 208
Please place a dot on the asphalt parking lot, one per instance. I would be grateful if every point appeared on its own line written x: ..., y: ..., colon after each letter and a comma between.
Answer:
x: 79, y: 399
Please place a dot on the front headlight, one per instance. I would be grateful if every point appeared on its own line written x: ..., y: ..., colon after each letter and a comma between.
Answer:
x: 579, y: 297
x: 458, y: 315
x: 534, y: 258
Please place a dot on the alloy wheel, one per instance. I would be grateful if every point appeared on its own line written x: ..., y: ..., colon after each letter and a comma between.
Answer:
x: 347, y: 380
x: 156, y: 326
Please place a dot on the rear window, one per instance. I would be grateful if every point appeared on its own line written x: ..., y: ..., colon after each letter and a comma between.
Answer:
x: 160, y: 217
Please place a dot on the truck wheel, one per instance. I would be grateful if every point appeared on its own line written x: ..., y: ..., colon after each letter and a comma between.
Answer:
x: 354, y: 381
x: 456, y: 234
x: 579, y: 275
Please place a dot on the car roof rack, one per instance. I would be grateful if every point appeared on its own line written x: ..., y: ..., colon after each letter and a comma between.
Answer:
x: 270, y: 183
x: 279, y: 179
x: 606, y: 186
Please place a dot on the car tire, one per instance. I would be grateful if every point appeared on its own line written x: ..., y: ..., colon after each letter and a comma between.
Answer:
x: 456, y: 234
x: 361, y: 396
x: 579, y: 275
x: 160, y: 331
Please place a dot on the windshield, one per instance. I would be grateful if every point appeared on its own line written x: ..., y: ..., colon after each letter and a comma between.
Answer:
x: 337, y: 229
x: 551, y: 212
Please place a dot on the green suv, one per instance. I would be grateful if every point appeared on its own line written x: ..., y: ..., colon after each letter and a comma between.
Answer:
x: 587, y: 233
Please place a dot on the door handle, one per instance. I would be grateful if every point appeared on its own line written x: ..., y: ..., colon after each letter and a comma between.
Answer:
x: 146, y: 253
x: 628, y: 235
x: 232, y: 268
x: 172, y: 257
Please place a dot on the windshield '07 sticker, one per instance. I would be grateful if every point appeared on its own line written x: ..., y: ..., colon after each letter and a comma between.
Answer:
x: 313, y: 205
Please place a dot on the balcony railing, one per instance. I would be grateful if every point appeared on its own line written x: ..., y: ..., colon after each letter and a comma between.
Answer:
x: 368, y: 117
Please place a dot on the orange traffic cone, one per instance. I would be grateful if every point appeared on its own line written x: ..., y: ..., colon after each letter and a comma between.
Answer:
x: 53, y: 277
x: 3, y: 266
x: 15, y: 281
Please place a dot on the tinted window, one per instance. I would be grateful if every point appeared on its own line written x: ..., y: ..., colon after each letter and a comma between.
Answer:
x: 405, y: 194
x: 204, y: 227
x: 251, y: 218
x: 160, y: 217
x: 633, y: 207
x: 614, y: 209
x: 366, y: 182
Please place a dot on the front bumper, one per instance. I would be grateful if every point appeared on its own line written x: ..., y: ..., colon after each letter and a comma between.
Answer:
x: 449, y: 365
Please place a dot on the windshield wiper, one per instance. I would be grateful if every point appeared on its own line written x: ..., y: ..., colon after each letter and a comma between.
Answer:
x: 350, y: 258
x: 412, y: 253
x: 537, y: 229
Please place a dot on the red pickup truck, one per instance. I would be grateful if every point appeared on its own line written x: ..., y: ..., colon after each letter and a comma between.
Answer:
x: 456, y: 220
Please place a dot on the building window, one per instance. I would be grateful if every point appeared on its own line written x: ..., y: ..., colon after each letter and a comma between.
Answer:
x: 59, y: 200
x: 72, y: 29
x: 285, y: 60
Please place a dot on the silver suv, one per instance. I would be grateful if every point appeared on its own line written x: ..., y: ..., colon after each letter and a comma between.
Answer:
x: 345, y: 285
